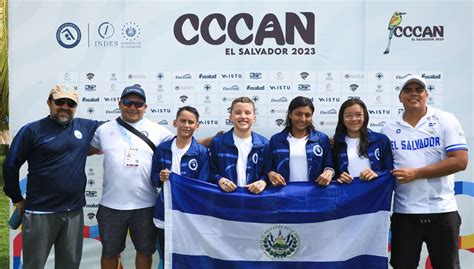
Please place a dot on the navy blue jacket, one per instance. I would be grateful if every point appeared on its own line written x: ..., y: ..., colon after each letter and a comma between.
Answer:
x: 318, y: 154
x: 56, y: 157
x: 224, y: 155
x: 379, y: 151
x: 194, y: 163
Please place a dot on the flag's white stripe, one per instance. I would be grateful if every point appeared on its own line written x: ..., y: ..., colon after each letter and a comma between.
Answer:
x: 335, y: 240
x: 168, y: 201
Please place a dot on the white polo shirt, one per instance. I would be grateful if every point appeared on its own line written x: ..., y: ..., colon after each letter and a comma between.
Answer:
x: 436, y: 134
x: 127, y: 163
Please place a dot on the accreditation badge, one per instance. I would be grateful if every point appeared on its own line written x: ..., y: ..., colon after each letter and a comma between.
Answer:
x: 131, y: 157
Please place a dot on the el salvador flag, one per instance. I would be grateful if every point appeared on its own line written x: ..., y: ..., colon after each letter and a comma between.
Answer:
x: 301, y: 225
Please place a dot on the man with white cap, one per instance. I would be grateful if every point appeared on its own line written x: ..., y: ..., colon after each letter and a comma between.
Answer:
x: 55, y: 148
x: 429, y: 146
x: 128, y: 196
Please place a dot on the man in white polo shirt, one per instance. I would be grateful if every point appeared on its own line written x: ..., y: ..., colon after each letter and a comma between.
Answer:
x: 429, y: 146
x: 128, y: 197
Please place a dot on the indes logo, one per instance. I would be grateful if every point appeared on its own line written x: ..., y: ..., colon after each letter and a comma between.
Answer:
x: 414, y: 32
x: 222, y: 28
x: 68, y: 35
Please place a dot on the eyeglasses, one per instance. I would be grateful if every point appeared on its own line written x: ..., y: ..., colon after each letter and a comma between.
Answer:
x: 353, y: 116
x: 60, y: 102
x: 128, y: 103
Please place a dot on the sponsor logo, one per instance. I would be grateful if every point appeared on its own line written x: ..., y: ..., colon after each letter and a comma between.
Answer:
x: 280, y: 111
x: 279, y: 242
x: 90, y: 88
x: 130, y: 31
x: 90, y: 110
x: 280, y: 122
x: 255, y: 75
x: 91, y: 182
x: 255, y: 88
x: 160, y: 110
x: 90, y: 99
x: 113, y: 111
x: 136, y: 76
x: 255, y: 98
x: 353, y: 76
x: 304, y: 75
x: 90, y: 215
x: 232, y: 76
x: 207, y: 87
x: 185, y: 76
x: 379, y: 75
x: 329, y: 76
x: 183, y: 98
x: 160, y: 76
x: 255, y: 158
x: 328, y: 99
x: 228, y: 122
x: 279, y: 87
x: 304, y: 87
x: 207, y: 76
x: 379, y: 111
x: 327, y: 123
x: 279, y: 100
x: 329, y: 112
x: 379, y: 88
x: 106, y: 30
x: 183, y: 87
x: 91, y: 194
x: 231, y: 88
x: 68, y: 35
x: 430, y: 88
x: 209, y: 122
x: 431, y: 76
x: 113, y: 77
x: 353, y: 87
x: 90, y: 76
x: 93, y: 205
x: 111, y: 99
x: 377, y: 124
x: 268, y: 27
x: 163, y: 122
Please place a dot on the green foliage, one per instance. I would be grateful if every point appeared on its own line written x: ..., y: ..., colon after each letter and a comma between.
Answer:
x: 4, y: 215
x: 3, y: 65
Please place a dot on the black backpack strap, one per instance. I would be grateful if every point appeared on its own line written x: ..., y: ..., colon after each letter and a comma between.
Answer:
x: 136, y: 132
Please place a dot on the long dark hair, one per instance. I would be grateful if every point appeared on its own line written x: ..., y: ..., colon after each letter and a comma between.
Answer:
x: 298, y: 101
x: 341, y: 130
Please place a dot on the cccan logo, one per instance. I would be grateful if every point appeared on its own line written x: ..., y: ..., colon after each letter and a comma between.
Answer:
x: 90, y: 88
x: 279, y: 242
x: 68, y: 35
x: 268, y: 27
x: 304, y: 87
x: 414, y: 32
x: 255, y: 75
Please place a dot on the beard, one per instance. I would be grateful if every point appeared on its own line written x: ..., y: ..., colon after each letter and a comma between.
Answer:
x: 62, y: 116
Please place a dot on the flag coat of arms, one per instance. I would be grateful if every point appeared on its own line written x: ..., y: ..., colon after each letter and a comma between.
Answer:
x: 300, y: 225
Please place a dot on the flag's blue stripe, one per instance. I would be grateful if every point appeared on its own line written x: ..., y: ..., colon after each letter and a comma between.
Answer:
x: 294, y: 203
x: 359, y: 262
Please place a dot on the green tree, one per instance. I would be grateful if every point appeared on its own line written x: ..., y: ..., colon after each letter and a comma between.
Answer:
x: 3, y: 68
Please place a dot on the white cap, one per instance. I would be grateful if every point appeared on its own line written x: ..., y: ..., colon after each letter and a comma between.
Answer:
x: 413, y: 78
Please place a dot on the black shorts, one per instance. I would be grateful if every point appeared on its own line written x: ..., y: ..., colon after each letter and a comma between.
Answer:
x: 114, y: 225
x: 440, y: 232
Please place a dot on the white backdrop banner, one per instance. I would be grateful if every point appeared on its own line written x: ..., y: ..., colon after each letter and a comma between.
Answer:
x: 206, y: 53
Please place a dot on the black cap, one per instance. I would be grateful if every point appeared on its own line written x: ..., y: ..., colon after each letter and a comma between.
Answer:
x: 135, y: 89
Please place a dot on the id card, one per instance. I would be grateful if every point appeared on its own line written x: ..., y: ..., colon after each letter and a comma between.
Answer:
x: 131, y: 157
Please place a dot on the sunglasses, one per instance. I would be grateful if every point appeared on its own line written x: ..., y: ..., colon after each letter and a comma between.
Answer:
x: 128, y: 103
x: 62, y: 101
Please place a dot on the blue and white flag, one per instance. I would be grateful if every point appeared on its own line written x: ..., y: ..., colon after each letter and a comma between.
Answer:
x: 301, y: 225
